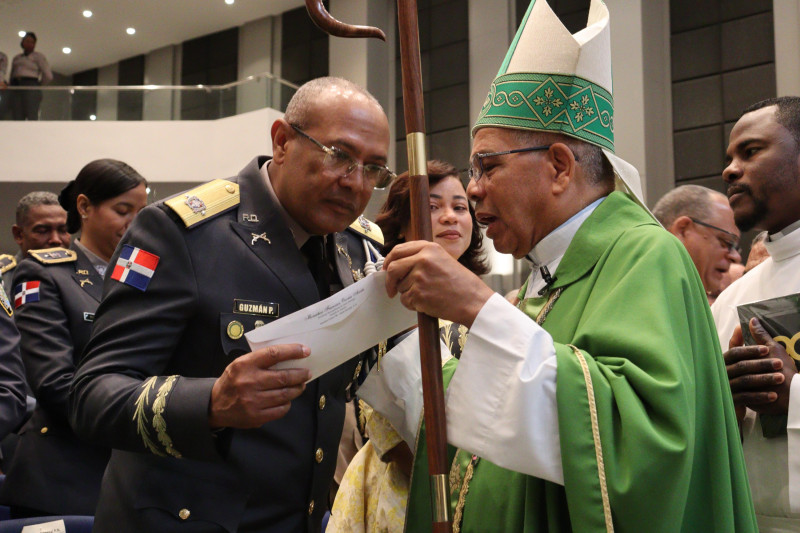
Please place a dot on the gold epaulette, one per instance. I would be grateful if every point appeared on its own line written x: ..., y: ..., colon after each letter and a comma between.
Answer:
x: 203, y: 202
x: 367, y: 229
x: 52, y: 256
x: 7, y: 262
x: 5, y: 303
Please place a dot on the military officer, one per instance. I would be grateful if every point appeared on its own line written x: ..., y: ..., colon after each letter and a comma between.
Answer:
x: 40, y: 223
x: 56, y: 292
x: 206, y: 436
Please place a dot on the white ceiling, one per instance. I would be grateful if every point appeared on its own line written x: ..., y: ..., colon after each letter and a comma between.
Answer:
x: 102, y: 40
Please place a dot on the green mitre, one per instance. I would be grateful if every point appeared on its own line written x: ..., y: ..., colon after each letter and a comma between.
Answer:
x: 554, y: 81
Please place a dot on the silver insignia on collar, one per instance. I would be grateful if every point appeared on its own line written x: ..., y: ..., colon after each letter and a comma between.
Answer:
x: 262, y: 237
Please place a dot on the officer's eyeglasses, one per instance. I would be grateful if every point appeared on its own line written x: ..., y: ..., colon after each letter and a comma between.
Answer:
x: 341, y: 163
x: 731, y: 244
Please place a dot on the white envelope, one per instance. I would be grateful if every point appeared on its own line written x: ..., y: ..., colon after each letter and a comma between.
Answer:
x: 338, y: 328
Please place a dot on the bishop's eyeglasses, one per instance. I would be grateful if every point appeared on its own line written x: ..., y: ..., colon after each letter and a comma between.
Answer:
x: 341, y: 163
x: 476, y: 170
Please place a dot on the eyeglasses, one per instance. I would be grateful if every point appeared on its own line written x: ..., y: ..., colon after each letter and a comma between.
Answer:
x: 732, y: 245
x: 476, y: 164
x: 341, y: 163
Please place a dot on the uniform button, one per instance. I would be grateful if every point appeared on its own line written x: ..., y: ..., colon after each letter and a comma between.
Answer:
x: 311, y: 508
x: 258, y: 323
x: 184, y: 514
x: 319, y: 455
x: 322, y: 401
x: 43, y: 430
x: 230, y: 188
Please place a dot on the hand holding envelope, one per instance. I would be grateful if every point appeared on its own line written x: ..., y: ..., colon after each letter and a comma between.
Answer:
x: 338, y: 328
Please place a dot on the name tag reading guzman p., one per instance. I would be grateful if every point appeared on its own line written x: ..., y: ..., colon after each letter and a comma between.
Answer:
x: 250, y: 307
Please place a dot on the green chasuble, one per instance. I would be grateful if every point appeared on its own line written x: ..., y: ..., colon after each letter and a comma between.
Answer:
x: 649, y: 440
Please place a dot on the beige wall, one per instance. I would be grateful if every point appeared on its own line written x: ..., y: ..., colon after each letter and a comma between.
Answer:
x: 786, y: 15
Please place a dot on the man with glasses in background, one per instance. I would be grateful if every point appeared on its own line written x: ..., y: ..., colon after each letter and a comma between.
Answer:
x: 703, y: 221
x: 208, y: 436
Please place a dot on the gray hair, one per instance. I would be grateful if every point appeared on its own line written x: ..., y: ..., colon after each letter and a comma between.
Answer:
x: 687, y: 200
x: 32, y: 199
x: 299, y: 108
x: 596, y: 167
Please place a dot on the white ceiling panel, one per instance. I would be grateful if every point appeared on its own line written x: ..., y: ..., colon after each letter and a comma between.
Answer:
x: 102, y: 39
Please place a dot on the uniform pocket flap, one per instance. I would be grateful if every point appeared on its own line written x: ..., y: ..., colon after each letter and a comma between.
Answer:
x: 219, y: 499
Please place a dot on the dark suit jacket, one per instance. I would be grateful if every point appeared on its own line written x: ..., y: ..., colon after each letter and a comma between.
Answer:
x: 52, y: 470
x: 12, y: 378
x: 145, y: 383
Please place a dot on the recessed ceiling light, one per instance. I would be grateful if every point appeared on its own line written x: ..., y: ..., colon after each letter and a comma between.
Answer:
x: 131, y: 31
x: 21, y: 33
x: 92, y: 117
x: 87, y: 13
x: 67, y: 50
x: 229, y: 2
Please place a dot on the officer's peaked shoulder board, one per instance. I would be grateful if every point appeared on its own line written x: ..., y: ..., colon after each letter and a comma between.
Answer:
x: 7, y: 262
x: 204, y: 202
x: 365, y: 228
x: 52, y: 256
x: 5, y: 303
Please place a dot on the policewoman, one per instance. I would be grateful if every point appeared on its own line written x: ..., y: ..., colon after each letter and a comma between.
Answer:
x: 55, y: 294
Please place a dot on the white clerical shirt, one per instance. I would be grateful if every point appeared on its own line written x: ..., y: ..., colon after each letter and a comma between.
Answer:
x: 773, y: 471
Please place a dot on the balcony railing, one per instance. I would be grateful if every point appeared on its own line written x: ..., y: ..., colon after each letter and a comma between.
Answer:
x: 156, y: 102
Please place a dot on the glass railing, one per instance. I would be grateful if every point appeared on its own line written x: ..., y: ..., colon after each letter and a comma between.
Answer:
x: 155, y: 102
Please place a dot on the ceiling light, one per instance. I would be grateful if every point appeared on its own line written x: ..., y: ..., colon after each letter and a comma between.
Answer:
x: 21, y: 33
x: 131, y: 31
x: 229, y: 2
x: 87, y: 13
x: 92, y: 117
x: 67, y: 50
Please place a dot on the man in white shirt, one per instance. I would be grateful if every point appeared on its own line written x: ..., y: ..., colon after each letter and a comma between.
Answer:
x: 763, y: 175
x: 29, y: 69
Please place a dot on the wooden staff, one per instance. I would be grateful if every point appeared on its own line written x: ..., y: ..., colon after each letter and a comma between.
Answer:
x: 430, y: 356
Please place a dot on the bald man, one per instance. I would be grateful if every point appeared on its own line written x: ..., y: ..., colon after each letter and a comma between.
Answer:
x: 703, y: 221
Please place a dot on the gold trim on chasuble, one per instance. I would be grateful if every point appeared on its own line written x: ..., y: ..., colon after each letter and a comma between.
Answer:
x: 598, y: 449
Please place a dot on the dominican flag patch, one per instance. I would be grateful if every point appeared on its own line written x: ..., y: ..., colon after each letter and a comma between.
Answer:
x: 25, y: 293
x: 135, y: 267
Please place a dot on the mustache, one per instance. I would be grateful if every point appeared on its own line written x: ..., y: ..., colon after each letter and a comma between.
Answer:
x: 737, y: 188
x: 344, y: 202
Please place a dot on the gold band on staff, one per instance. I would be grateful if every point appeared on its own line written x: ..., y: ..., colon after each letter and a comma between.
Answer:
x: 440, y: 498
x: 417, y: 156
